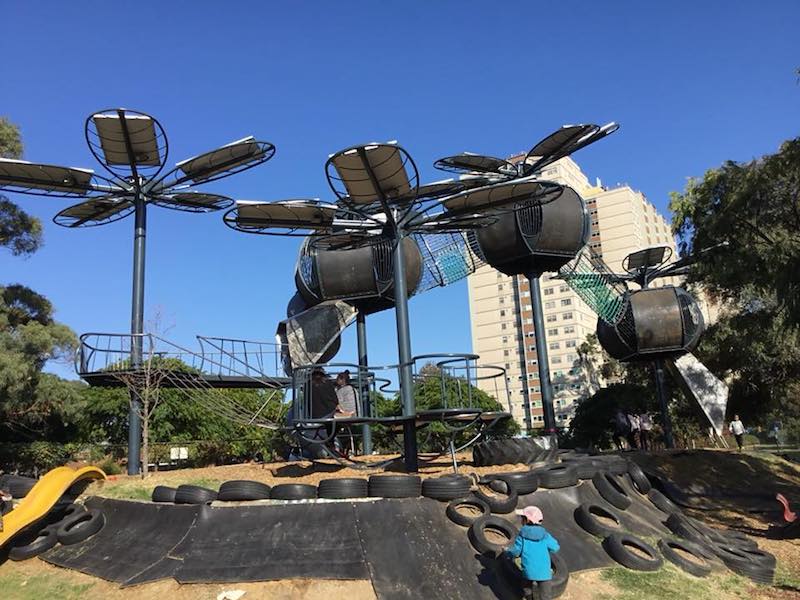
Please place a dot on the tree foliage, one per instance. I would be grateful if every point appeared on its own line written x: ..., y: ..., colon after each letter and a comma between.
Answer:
x: 20, y: 232
x: 592, y: 423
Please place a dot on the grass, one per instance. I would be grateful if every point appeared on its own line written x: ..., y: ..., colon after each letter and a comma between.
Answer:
x: 670, y: 583
x: 142, y: 489
x: 16, y: 586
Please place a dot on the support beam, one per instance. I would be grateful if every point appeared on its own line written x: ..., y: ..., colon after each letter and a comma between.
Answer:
x: 137, y: 329
x: 663, y: 402
x: 404, y: 352
x: 363, y: 363
x: 545, y: 384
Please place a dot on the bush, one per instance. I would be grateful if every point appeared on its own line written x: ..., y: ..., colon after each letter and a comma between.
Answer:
x: 109, y: 467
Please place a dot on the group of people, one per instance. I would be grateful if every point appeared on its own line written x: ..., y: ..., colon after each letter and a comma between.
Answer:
x: 332, y: 399
x: 635, y: 428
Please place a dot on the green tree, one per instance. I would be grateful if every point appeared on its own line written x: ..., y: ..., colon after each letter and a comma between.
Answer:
x: 592, y: 424
x: 19, y: 232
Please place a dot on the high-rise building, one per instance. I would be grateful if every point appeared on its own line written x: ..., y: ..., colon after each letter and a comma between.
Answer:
x: 622, y: 221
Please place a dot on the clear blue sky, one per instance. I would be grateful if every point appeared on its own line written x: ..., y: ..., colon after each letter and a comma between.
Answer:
x: 692, y: 83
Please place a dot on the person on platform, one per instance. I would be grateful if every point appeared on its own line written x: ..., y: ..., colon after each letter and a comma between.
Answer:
x: 324, y: 400
x: 621, y: 428
x: 534, y: 545
x: 645, y: 427
x: 737, y: 429
x: 633, y: 431
x: 346, y: 394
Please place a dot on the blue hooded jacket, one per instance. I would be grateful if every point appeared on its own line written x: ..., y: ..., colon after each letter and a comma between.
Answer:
x: 534, y: 544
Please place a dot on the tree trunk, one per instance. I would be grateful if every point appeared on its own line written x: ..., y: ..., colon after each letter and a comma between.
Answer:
x: 145, y: 434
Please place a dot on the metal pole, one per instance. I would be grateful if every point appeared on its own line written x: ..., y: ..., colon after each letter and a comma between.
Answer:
x: 663, y: 403
x: 526, y: 396
x: 541, y: 354
x: 137, y: 329
x: 363, y: 362
x: 404, y: 352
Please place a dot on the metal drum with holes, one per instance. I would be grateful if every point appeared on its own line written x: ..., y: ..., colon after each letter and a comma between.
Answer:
x: 658, y: 323
x: 362, y: 276
x: 536, y: 236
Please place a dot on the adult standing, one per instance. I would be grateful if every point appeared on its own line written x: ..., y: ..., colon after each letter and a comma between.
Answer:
x: 323, y: 395
x: 633, y: 419
x: 346, y: 394
x: 737, y: 429
x: 621, y: 428
x: 645, y: 427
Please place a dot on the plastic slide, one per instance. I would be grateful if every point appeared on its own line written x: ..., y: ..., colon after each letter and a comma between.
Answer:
x: 43, y: 497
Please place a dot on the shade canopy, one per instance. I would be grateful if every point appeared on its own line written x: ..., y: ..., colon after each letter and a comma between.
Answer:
x: 196, y: 202
x: 97, y: 211
x: 231, y: 158
x: 468, y: 162
x: 301, y: 215
x: 649, y: 257
x: 127, y: 139
x: 25, y: 177
x: 364, y: 175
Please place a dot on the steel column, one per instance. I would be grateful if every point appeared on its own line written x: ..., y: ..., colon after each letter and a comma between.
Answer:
x: 404, y: 352
x: 137, y: 329
x: 526, y: 396
x: 663, y: 403
x: 541, y: 354
x: 363, y: 362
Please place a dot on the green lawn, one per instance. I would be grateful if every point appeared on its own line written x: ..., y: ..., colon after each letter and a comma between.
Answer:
x: 15, y: 586
x: 670, y: 583
x: 143, y: 489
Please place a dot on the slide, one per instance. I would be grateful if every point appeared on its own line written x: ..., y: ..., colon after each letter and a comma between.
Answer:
x: 701, y: 384
x: 43, y: 497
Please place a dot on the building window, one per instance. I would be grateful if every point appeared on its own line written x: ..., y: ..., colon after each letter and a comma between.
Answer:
x: 566, y: 301
x: 552, y: 331
x: 529, y: 321
x: 535, y: 389
x: 505, y: 352
x: 556, y: 360
x: 533, y: 361
x: 552, y: 318
x: 532, y: 348
x: 500, y: 287
x: 550, y: 304
x: 502, y: 326
x: 508, y: 365
x: 563, y: 288
x: 567, y: 316
x: 530, y: 334
x: 549, y: 291
x: 502, y: 300
x: 554, y: 345
x: 569, y: 328
x: 570, y: 344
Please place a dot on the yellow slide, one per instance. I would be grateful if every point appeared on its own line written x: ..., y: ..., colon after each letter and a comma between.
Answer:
x: 43, y: 497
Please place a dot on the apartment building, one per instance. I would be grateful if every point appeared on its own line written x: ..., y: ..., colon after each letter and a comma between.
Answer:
x: 623, y: 221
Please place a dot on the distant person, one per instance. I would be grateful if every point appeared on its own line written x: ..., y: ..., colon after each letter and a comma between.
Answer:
x: 324, y: 401
x: 621, y: 428
x: 346, y: 394
x: 737, y: 429
x: 633, y: 419
x: 534, y: 544
x: 645, y: 427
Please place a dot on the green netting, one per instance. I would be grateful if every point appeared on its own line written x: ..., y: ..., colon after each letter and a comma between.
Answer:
x: 591, y: 279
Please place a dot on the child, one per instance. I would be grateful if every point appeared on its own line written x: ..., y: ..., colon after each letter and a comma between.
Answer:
x: 534, y: 544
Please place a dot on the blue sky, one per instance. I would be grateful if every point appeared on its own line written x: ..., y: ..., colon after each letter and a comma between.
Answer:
x: 692, y: 84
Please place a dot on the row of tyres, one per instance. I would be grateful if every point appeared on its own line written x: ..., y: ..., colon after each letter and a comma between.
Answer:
x: 65, y: 525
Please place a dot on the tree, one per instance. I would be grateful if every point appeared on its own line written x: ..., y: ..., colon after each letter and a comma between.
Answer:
x: 591, y: 426
x: 755, y: 344
x: 30, y: 401
x: 19, y: 232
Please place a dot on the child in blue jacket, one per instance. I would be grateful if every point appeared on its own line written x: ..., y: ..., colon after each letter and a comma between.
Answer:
x: 534, y: 544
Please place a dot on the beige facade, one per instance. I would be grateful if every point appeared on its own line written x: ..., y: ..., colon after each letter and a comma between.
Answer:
x: 623, y: 221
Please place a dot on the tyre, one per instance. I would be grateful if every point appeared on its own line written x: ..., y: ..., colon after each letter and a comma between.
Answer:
x: 162, y: 493
x: 47, y: 538
x: 741, y: 564
x: 346, y: 487
x: 80, y: 526
x: 491, y: 535
x: 618, y: 546
x: 57, y: 515
x: 447, y: 487
x: 684, y: 527
x: 465, y: 511
x: 675, y: 550
x: 661, y: 502
x: 194, y: 494
x: 598, y: 521
x: 395, y: 486
x: 640, y: 480
x: 19, y: 486
x: 525, y: 482
x: 610, y: 489
x: 736, y: 538
x: 506, y: 452
x: 499, y: 503
x: 585, y: 467
x: 512, y: 573
x: 557, y: 476
x: 616, y: 465
x: 241, y: 491
x: 293, y: 491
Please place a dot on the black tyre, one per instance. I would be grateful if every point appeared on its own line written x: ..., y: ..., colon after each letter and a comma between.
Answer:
x: 19, y: 486
x: 47, y: 538
x: 395, y: 486
x: 616, y: 465
x: 597, y: 520
x: 491, y: 535
x: 293, y: 491
x: 741, y: 564
x: 640, y: 480
x: 525, y: 482
x: 618, y: 545
x: 506, y: 452
x: 194, y: 494
x: 465, y: 511
x: 80, y: 526
x: 736, y: 538
x: 511, y: 572
x: 242, y: 491
x: 557, y: 476
x: 685, y: 527
x: 674, y: 550
x: 447, y: 487
x: 610, y: 489
x: 346, y: 487
x: 662, y: 503
x: 59, y: 514
x: 162, y: 493
x: 585, y: 467
x: 499, y: 503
